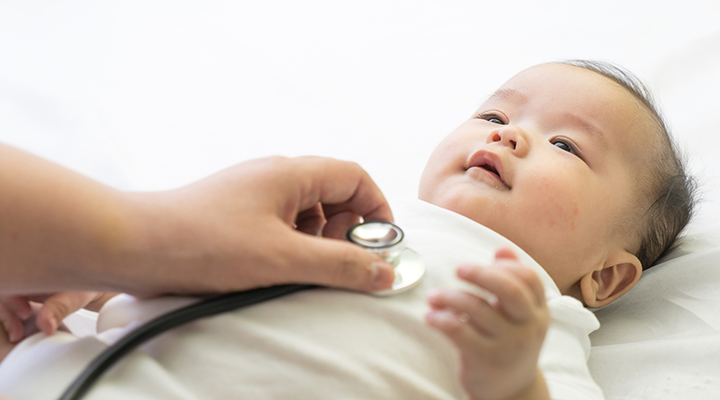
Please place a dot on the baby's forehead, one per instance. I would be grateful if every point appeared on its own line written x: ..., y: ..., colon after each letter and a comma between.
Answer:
x: 563, y: 84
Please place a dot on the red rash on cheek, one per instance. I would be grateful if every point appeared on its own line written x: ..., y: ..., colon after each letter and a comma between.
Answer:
x: 564, y: 215
x: 560, y: 210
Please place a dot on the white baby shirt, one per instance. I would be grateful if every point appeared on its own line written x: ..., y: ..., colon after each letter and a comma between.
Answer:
x: 316, y: 344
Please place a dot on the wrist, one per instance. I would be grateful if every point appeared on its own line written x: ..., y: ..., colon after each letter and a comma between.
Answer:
x: 105, y: 262
x: 163, y: 246
x: 136, y: 256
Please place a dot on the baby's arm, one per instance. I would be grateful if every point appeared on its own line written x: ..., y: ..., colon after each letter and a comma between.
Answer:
x: 500, y: 338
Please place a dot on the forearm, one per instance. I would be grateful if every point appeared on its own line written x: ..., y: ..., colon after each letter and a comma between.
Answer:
x: 230, y: 231
x: 58, y: 227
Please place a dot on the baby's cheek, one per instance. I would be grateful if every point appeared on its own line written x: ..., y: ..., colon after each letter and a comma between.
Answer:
x: 556, y: 205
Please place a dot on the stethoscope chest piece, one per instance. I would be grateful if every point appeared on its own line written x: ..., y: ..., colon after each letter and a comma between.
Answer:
x: 386, y: 240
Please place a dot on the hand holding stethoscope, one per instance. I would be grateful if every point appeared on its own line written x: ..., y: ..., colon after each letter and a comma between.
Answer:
x: 381, y: 237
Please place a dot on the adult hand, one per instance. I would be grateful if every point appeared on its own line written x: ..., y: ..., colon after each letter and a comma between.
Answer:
x: 263, y: 222
x: 252, y: 225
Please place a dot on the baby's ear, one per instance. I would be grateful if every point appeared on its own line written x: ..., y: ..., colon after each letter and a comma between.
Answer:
x: 618, y: 275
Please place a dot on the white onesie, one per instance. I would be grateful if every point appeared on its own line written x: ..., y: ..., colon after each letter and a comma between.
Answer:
x: 316, y: 344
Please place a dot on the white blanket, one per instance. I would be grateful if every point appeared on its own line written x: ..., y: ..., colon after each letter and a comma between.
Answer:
x: 669, y: 326
x: 316, y: 344
x: 152, y: 95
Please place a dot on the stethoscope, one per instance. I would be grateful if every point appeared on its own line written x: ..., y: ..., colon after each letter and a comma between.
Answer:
x: 388, y: 241
x: 381, y: 237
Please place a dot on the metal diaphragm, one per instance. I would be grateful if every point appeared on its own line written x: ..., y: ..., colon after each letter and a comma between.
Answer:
x: 387, y: 241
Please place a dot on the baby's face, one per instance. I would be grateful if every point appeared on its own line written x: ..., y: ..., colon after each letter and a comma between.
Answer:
x: 550, y: 162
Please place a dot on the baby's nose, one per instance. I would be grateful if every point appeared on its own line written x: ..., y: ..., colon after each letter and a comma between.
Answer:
x: 510, y: 136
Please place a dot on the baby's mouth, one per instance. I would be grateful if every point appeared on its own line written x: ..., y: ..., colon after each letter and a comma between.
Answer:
x: 494, y: 172
x: 490, y: 169
x: 490, y: 164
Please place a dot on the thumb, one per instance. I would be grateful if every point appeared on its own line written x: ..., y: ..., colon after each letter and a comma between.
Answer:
x: 58, y: 306
x: 338, y: 263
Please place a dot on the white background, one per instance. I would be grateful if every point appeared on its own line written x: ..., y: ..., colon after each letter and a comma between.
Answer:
x: 153, y: 95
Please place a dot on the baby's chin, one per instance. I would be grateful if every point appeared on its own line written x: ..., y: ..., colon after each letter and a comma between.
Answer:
x: 460, y: 205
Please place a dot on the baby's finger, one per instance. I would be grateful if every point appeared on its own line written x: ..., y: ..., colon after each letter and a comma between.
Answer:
x: 506, y: 257
x: 18, y: 305
x: 454, y: 326
x: 59, y: 306
x: 515, y: 297
x: 12, y: 324
x: 476, y: 310
x: 528, y: 277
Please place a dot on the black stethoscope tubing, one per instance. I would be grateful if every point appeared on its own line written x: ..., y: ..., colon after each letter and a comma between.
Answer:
x: 171, y: 320
x: 232, y: 301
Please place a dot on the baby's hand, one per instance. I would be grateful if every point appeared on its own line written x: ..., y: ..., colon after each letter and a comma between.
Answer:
x: 55, y: 307
x: 13, y: 311
x: 499, y: 338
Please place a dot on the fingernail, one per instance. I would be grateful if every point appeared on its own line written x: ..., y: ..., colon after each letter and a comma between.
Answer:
x: 433, y: 295
x: 53, y: 326
x: 463, y: 270
x: 25, y: 314
x: 430, y: 316
x: 440, y: 318
x: 380, y: 275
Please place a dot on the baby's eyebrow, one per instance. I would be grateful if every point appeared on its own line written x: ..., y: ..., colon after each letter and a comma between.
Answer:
x: 595, y: 133
x: 507, y: 94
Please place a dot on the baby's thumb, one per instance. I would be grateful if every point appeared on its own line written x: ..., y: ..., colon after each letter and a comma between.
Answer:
x: 57, y: 307
x: 338, y: 263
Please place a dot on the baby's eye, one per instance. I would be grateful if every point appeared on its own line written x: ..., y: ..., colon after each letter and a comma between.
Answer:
x: 494, y: 118
x: 565, y: 145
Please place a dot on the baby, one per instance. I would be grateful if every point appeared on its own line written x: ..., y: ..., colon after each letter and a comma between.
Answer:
x: 570, y: 162
x: 573, y: 163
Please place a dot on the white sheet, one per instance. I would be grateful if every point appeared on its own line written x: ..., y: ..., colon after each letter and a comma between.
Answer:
x: 151, y: 96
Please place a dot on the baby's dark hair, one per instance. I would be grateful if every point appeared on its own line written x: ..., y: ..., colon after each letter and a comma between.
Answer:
x: 669, y: 187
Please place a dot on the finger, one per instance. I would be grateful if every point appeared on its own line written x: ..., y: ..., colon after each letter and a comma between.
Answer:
x: 507, y: 258
x: 12, y: 324
x: 99, y: 301
x: 338, y: 223
x: 480, y: 314
x: 453, y: 325
x: 529, y: 278
x: 311, y: 221
x: 58, y: 306
x: 330, y: 262
x: 331, y: 181
x: 18, y: 305
x: 515, y: 298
